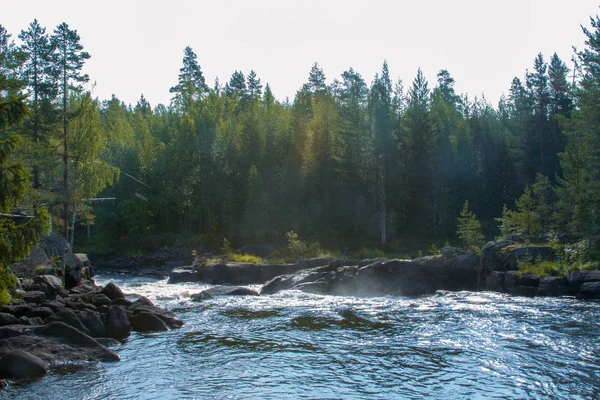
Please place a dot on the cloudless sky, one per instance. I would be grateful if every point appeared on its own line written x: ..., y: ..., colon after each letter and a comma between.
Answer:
x: 137, y: 45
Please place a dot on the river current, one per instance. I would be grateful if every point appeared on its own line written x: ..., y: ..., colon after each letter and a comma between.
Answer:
x: 297, y: 345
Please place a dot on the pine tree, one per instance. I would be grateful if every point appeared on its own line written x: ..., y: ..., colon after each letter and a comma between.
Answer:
x: 37, y: 72
x: 68, y: 60
x: 469, y: 229
x: 316, y: 79
x: 191, y: 85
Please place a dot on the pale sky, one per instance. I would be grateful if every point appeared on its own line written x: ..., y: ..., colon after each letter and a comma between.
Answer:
x: 137, y: 45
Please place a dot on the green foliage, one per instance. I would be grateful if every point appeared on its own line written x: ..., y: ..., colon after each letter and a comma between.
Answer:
x: 226, y: 248
x: 296, y: 249
x: 469, y: 229
x: 15, y: 240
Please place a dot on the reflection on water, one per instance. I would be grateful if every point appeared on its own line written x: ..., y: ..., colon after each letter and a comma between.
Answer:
x: 297, y: 345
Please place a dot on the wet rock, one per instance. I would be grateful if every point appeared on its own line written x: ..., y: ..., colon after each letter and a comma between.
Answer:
x: 225, y: 291
x: 270, y: 271
x: 495, y: 281
x: 589, y: 290
x: 120, y: 302
x: 553, y: 286
x: 34, y: 297
x: 528, y: 280
x: 7, y: 319
x: 147, y: 322
x: 117, y: 324
x: 18, y: 364
x: 144, y: 304
x: 100, y: 299
x: 93, y: 323
x: 578, y: 278
x: 185, y: 274
x: 108, y: 342
x: 281, y: 282
x: 42, y: 312
x: 35, y: 321
x: 112, y: 291
x: 18, y: 310
x: 68, y: 317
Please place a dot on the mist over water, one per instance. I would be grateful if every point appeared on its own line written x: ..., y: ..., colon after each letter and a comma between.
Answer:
x: 297, y: 345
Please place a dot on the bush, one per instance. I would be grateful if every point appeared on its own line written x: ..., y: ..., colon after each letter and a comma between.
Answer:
x: 297, y: 248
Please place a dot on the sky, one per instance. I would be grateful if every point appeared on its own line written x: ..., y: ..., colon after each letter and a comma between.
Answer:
x: 137, y: 45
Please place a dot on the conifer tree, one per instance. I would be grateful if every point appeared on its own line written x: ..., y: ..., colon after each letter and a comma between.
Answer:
x: 469, y: 229
x: 191, y: 85
x: 67, y: 61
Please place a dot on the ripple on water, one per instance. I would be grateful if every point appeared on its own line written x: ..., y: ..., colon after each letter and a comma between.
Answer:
x: 299, y: 345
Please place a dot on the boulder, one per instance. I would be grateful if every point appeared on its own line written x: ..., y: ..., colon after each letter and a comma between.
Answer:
x: 185, y: 274
x: 395, y: 277
x: 42, y: 312
x: 578, y: 278
x: 144, y: 304
x: 37, y: 263
x: 92, y: 322
x: 68, y: 317
x: 589, y: 290
x: 117, y: 324
x: 225, y: 291
x: 7, y: 319
x: 100, y: 299
x: 495, y: 281
x: 553, y: 286
x: 112, y: 291
x: 34, y: 297
x: 18, y: 310
x: 278, y: 283
x: 18, y: 364
x: 259, y: 250
x: 52, y: 282
x: 147, y: 322
x: 55, y: 343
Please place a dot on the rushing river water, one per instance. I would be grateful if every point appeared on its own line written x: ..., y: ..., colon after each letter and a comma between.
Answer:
x: 296, y: 345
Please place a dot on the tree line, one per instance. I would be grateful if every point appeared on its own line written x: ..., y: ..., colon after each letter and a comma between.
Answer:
x: 344, y: 162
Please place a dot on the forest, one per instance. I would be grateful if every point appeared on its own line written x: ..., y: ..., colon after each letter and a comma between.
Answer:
x: 393, y: 164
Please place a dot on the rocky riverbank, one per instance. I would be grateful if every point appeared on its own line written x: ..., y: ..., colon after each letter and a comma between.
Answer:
x: 454, y: 269
x: 55, y: 321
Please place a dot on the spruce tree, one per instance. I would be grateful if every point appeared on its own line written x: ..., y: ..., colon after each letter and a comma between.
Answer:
x: 469, y: 229
x: 16, y: 240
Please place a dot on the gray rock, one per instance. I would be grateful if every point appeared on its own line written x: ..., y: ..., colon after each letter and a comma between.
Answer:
x: 92, y: 322
x: 7, y: 319
x: 18, y: 364
x: 112, y: 291
x: 42, y: 312
x: 53, y: 282
x: 495, y: 281
x: 185, y: 274
x: 147, y: 322
x: 589, y: 290
x: 577, y: 278
x: 553, y: 286
x: 100, y: 299
x: 35, y: 297
x: 225, y: 291
x: 117, y: 324
x: 18, y: 310
x: 68, y: 317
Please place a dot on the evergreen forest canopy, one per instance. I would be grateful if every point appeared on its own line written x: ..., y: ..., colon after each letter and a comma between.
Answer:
x: 345, y: 163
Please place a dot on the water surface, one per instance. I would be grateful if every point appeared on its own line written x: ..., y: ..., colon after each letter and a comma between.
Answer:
x: 297, y: 345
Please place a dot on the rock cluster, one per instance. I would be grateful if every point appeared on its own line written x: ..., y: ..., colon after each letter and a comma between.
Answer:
x: 51, y: 325
x: 235, y: 273
x: 453, y: 270
x: 581, y: 284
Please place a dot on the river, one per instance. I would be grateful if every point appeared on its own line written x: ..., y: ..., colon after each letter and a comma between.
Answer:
x: 297, y: 345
